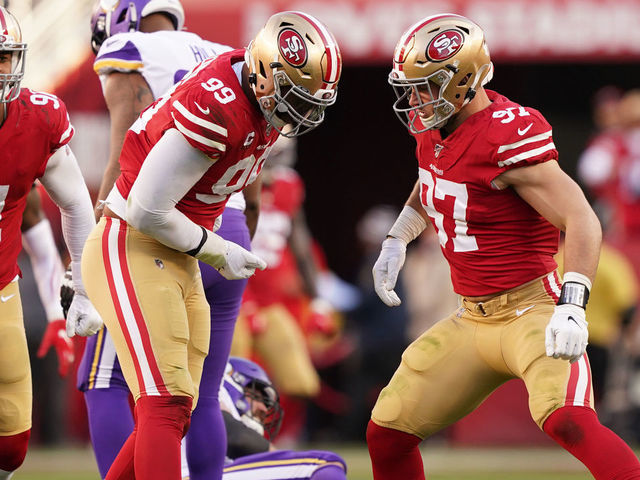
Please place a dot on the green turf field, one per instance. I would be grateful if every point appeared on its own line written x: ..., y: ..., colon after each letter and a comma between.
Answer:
x: 441, y: 463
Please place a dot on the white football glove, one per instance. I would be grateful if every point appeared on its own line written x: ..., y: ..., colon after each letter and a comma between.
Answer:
x: 82, y: 319
x: 387, y: 268
x: 567, y: 334
x: 240, y: 263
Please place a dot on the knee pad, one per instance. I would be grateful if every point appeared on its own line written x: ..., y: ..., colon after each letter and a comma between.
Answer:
x: 13, y: 449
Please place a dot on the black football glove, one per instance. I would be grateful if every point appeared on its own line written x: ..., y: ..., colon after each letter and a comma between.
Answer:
x: 66, y: 291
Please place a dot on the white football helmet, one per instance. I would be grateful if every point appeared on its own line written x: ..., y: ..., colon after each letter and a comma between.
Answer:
x: 294, y: 64
x: 447, y: 56
x: 11, y: 41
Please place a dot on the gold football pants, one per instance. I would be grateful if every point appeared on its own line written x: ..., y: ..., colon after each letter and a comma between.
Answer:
x: 282, y: 348
x: 454, y: 366
x: 153, y: 304
x: 15, y: 370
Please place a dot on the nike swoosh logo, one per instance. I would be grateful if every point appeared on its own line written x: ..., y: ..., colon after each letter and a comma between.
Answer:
x: 7, y: 298
x: 207, y: 111
x: 520, y: 312
x: 520, y: 131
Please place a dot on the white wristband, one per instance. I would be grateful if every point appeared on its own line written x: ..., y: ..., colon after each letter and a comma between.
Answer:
x: 408, y: 225
x: 575, y: 289
x: 578, y: 278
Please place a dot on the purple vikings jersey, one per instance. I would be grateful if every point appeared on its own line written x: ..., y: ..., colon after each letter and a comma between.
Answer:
x: 281, y: 464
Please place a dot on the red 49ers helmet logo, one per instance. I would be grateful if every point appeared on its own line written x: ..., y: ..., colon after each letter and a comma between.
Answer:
x: 292, y: 47
x: 445, y: 45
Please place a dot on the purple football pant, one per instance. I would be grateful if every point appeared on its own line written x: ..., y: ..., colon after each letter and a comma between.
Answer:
x: 288, y: 464
x: 206, y: 441
x: 107, y: 396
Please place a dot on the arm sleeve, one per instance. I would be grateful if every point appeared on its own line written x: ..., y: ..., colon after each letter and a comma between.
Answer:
x: 65, y: 185
x: 47, y: 266
x: 241, y: 440
x: 170, y: 170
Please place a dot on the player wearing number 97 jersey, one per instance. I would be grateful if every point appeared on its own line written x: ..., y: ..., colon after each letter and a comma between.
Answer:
x: 490, y: 184
x: 187, y: 152
x: 34, y: 136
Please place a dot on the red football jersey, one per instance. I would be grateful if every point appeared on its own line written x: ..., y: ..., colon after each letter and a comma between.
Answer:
x: 37, y: 124
x: 492, y: 239
x: 211, y: 110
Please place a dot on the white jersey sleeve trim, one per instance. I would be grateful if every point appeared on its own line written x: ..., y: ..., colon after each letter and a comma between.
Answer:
x: 67, y: 133
x: 528, y: 154
x: 535, y: 138
x: 199, y: 138
x: 200, y: 121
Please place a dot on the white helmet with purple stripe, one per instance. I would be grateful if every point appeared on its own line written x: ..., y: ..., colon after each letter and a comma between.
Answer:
x: 119, y: 16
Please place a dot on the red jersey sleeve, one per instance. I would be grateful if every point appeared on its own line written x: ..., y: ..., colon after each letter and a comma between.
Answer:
x: 54, y: 120
x: 202, y: 121
x: 520, y: 136
x: 63, y: 132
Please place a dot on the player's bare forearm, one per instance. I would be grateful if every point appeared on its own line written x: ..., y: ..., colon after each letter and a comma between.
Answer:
x: 583, y: 237
x: 109, y: 178
x: 126, y: 95
x: 33, y: 213
x: 252, y: 200
x: 300, y: 242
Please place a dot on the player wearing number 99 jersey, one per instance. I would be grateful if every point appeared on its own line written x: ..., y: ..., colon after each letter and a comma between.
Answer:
x: 34, y: 136
x: 205, y: 139
x: 141, y: 52
x: 490, y: 184
x: 211, y: 112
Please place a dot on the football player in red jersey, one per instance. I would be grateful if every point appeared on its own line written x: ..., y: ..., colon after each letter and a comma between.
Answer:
x: 142, y: 50
x: 34, y: 133
x: 193, y: 147
x: 490, y: 184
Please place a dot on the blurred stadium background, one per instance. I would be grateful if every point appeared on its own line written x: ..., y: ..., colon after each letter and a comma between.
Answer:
x: 553, y: 55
